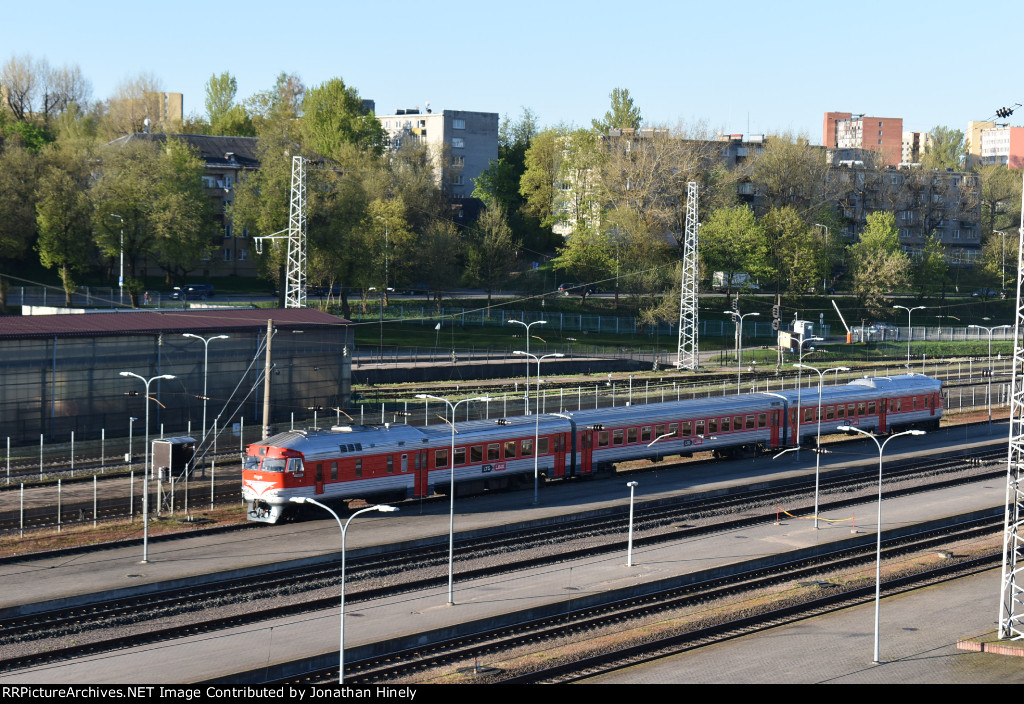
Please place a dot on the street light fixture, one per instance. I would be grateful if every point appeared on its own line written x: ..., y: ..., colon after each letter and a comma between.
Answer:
x: 910, y: 330
x: 384, y: 508
x: 145, y: 480
x: 817, y: 449
x: 536, y: 431
x: 878, y: 547
x: 629, y: 544
x: 206, y: 350
x: 120, y: 278
x: 737, y: 319
x: 989, y: 392
x: 526, y: 408
x: 799, y: 384
x: 451, y: 489
x: 828, y: 269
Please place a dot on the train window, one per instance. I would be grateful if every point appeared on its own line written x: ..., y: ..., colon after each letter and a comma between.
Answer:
x: 542, y: 446
x: 840, y: 412
x: 808, y: 415
x: 762, y: 420
x: 460, y: 455
x: 334, y: 471
x: 631, y: 435
x: 493, y: 452
x: 726, y: 423
x: 510, y: 450
x: 851, y: 410
x: 861, y: 408
x: 713, y: 426
x: 476, y: 454
x: 645, y: 434
x: 750, y: 423
x: 440, y: 458
x: 699, y: 427
x: 602, y: 438
x: 737, y: 423
x: 830, y: 412
x: 927, y: 401
x: 295, y: 465
x: 527, y: 448
x: 659, y: 430
x: 405, y: 463
x: 391, y: 464
x: 359, y: 467
x: 899, y: 405
x: 687, y: 429
x: 617, y: 437
x: 271, y: 465
x: 251, y: 463
x: 915, y: 403
x: 263, y: 451
x: 673, y: 429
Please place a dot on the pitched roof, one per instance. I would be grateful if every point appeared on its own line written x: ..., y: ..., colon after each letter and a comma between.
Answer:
x: 213, y: 149
x: 165, y: 321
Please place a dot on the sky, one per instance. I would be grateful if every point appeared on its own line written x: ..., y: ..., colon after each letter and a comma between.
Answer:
x: 739, y: 67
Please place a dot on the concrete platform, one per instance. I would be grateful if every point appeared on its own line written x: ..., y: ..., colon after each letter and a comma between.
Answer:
x: 483, y: 603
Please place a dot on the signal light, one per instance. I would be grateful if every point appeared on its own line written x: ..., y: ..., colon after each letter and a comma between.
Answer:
x: 776, y: 310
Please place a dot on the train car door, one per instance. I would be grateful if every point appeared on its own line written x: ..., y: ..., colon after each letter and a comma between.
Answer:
x: 319, y: 477
x: 423, y: 475
x: 586, y: 444
x: 773, y: 423
x: 559, y: 470
x: 883, y: 408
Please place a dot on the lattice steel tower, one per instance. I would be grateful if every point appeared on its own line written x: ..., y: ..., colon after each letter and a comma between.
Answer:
x: 687, y: 356
x: 295, y: 276
x: 1011, y: 592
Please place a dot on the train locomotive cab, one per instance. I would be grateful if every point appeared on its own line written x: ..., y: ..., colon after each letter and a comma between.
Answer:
x: 267, y: 473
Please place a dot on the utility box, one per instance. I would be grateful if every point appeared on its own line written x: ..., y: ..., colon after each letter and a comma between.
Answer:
x: 171, y: 456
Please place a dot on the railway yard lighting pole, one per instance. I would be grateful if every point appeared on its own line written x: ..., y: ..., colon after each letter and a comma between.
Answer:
x: 536, y: 431
x: 451, y: 488
x: 738, y: 320
x: 878, y: 547
x: 344, y: 528
x: 145, y: 478
x: 131, y: 423
x: 206, y: 367
x: 817, y: 447
x: 800, y: 384
x: 120, y: 277
x: 910, y: 330
x: 629, y: 544
x: 528, y: 326
x: 989, y: 392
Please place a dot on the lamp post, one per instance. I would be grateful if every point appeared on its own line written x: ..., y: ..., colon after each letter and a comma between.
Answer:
x: 910, y: 330
x: 451, y: 489
x: 145, y: 478
x: 878, y: 547
x: 526, y: 408
x: 799, y: 384
x: 536, y: 431
x: 989, y: 392
x: 120, y: 278
x: 824, y: 281
x: 629, y: 544
x: 817, y: 449
x: 1002, y: 271
x: 738, y: 320
x: 131, y: 422
x: 206, y: 350
x: 384, y: 508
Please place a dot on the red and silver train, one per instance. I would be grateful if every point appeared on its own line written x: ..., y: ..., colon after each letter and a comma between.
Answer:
x: 393, y: 462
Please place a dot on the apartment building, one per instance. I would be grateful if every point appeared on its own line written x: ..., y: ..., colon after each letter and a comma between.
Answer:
x: 844, y: 130
x: 1002, y: 144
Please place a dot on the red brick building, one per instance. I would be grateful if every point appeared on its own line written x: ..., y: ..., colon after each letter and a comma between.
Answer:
x: 844, y: 130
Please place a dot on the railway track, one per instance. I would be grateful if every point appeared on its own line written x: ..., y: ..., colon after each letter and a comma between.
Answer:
x: 581, y: 625
x: 298, y: 591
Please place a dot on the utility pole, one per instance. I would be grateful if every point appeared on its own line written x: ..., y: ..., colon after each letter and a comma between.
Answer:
x: 688, y: 356
x: 266, y: 381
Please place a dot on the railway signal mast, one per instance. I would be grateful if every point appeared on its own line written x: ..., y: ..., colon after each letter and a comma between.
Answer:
x: 1011, y: 595
x: 687, y: 356
x: 295, y: 273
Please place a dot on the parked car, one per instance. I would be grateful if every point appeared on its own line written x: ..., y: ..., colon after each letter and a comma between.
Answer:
x: 575, y: 290
x: 986, y: 293
x: 192, y: 292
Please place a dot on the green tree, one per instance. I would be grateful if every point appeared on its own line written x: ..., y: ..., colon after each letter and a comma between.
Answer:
x: 790, y: 171
x: 542, y: 161
x: 794, y: 254
x: 220, y: 96
x: 732, y: 241
x: 332, y: 115
x: 622, y: 114
x: 64, y: 215
x: 946, y: 149
x: 492, y: 251
x: 879, y: 264
x: 587, y: 256
x: 1000, y: 198
x: 928, y: 269
x: 19, y: 172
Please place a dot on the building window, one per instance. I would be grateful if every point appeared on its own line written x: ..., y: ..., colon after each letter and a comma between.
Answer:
x: 458, y: 123
x: 458, y: 160
x: 227, y: 254
x: 458, y: 180
x: 243, y: 255
x: 458, y: 142
x: 227, y: 230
